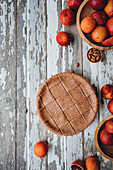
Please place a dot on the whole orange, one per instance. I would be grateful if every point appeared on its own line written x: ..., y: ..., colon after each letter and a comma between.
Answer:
x: 99, y: 34
x: 41, y: 149
x: 110, y: 106
x: 109, y: 26
x: 109, y: 8
x: 92, y: 163
x: 63, y: 38
x: 107, y: 91
x: 67, y: 17
x: 88, y: 24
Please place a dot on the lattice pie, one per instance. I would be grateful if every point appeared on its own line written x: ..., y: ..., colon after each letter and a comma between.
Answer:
x: 66, y: 104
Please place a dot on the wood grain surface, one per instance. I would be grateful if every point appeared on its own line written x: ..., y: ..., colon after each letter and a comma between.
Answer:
x: 29, y: 55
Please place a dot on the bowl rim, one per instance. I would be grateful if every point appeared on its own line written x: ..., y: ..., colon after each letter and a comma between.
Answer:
x: 96, y: 137
x: 82, y: 34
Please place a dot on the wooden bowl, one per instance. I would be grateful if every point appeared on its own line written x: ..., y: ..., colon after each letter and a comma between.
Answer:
x: 98, y: 51
x: 105, y: 150
x: 84, y: 11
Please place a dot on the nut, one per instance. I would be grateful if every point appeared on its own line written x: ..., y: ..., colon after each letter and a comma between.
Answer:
x: 96, y: 55
x: 93, y: 57
x: 77, y: 65
x: 93, y: 60
x: 89, y: 56
x: 97, y: 58
x: 71, y: 71
x: 91, y: 52
x: 97, y: 51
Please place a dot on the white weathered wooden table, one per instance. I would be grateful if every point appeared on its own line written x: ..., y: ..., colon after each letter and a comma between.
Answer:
x: 29, y: 55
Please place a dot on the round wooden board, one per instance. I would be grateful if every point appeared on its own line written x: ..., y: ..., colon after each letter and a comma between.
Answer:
x: 105, y: 150
x: 84, y: 11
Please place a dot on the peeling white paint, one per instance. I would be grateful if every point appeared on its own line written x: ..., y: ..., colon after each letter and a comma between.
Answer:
x: 3, y: 74
x: 1, y: 134
x: 10, y: 115
x: 4, y: 124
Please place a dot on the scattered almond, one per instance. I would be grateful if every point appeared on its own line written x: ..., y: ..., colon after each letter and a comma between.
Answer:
x: 77, y: 65
x: 71, y: 71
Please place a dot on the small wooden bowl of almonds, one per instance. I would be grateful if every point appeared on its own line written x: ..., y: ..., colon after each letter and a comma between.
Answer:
x: 94, y: 55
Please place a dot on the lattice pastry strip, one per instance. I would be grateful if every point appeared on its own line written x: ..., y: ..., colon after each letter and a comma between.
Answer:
x: 56, y: 110
x: 79, y: 124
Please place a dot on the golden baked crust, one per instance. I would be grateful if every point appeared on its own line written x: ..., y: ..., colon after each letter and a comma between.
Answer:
x: 66, y: 104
